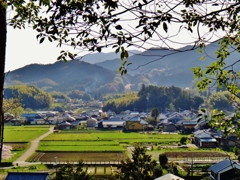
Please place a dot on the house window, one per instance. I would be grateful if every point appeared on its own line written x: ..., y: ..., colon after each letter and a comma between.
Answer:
x: 133, y: 126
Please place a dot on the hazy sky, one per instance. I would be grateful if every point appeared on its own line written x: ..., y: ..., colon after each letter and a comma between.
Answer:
x: 23, y: 49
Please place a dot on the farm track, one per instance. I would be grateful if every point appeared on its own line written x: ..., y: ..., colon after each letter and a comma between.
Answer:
x: 21, y: 161
x: 48, y: 157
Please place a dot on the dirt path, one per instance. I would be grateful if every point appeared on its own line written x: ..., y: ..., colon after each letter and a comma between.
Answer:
x: 34, y: 145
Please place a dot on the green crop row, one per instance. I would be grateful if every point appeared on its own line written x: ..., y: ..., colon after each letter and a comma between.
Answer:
x: 80, y: 148
x: 111, y: 136
x: 78, y: 143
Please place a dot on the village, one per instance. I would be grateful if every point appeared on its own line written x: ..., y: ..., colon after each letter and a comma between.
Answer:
x: 184, y: 122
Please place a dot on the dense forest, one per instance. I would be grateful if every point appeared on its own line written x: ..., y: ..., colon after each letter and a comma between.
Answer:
x: 148, y: 97
x: 31, y: 96
x: 164, y: 98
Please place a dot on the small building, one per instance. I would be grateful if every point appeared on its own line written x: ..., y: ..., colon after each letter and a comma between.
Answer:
x: 204, y: 138
x: 169, y: 176
x: 68, y: 117
x: 189, y: 124
x: 135, y: 124
x: 169, y: 127
x: 224, y: 170
x: 230, y: 141
x: 64, y: 125
x: 111, y: 124
x: 27, y: 175
x: 91, y: 122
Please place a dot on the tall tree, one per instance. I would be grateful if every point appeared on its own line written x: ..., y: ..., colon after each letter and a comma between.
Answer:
x: 163, y: 160
x: 140, y: 167
x: 3, y: 39
x: 155, y: 113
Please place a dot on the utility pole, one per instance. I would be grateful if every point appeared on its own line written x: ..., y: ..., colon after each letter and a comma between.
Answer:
x: 192, y: 166
x: 56, y: 163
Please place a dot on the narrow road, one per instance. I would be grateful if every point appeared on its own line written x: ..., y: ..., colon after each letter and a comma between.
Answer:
x: 34, y: 145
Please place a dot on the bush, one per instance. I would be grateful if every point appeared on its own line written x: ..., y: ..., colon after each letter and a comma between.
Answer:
x: 183, y: 140
x: 6, y: 164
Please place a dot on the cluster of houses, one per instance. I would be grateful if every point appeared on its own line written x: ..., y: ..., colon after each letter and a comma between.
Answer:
x: 184, y: 122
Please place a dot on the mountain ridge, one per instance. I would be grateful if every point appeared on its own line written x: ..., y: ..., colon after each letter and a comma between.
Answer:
x: 160, y: 67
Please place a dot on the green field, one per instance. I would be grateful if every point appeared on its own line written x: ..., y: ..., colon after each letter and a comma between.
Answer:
x: 23, y: 133
x: 114, y: 135
x: 102, y: 141
x: 90, y: 145
x: 81, y: 148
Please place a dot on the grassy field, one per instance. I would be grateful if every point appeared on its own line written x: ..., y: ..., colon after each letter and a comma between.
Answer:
x: 73, y: 148
x: 113, y: 135
x: 102, y: 141
x: 79, y: 146
x: 23, y: 133
x: 91, y: 145
x: 19, y: 138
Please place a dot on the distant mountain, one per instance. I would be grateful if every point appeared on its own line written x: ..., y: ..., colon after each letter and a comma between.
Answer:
x: 94, y: 58
x: 160, y: 67
x: 62, y: 76
x: 170, y: 67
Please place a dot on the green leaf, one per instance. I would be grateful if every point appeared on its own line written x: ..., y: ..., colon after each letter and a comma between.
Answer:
x: 165, y: 27
x: 203, y: 58
x: 126, y: 54
x: 41, y: 40
x: 99, y: 49
x: 122, y: 55
x: 118, y: 27
x: 117, y: 50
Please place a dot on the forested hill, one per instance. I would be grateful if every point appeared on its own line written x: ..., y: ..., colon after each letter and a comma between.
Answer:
x: 62, y: 76
x: 170, y: 67
x: 102, y: 78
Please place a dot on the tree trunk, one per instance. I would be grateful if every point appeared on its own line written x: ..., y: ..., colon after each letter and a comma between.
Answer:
x: 3, y: 39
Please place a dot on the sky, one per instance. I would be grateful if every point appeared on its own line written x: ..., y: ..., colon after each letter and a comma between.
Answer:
x: 24, y: 49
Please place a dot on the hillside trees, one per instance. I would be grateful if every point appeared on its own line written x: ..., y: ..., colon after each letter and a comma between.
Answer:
x: 13, y: 106
x: 150, y: 97
x: 115, y: 87
x: 77, y: 94
x: 31, y: 97
x: 220, y: 100
x: 59, y: 95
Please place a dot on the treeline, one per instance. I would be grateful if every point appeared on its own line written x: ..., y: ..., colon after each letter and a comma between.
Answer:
x: 164, y: 98
x: 35, y: 98
x: 31, y: 96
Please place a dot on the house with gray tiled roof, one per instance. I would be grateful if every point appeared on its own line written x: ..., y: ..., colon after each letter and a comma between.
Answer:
x: 224, y: 170
x: 204, y: 138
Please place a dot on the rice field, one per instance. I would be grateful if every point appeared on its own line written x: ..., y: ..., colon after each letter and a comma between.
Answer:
x: 23, y: 133
x: 110, y: 136
x: 73, y: 148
